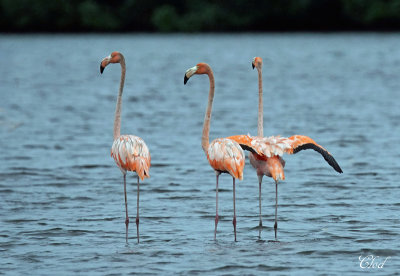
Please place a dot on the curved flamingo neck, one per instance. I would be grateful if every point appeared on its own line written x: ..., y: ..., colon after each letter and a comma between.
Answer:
x: 260, y: 125
x: 117, y: 118
x: 205, y: 139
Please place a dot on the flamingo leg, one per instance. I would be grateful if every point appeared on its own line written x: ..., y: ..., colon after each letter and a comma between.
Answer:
x: 126, y: 209
x: 137, y: 210
x: 216, y: 207
x: 276, y: 207
x: 260, y: 177
x: 234, y: 209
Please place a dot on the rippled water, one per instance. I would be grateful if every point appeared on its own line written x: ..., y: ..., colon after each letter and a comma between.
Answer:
x: 61, y: 204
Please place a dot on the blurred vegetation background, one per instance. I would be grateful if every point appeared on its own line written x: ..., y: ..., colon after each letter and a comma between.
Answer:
x: 197, y: 15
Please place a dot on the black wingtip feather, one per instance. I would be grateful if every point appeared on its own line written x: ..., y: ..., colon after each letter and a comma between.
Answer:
x: 328, y: 158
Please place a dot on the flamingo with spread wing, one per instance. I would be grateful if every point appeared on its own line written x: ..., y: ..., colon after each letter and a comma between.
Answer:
x: 270, y: 162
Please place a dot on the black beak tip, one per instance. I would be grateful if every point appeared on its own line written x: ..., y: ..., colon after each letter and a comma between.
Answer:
x: 101, y: 69
x: 252, y: 65
x: 185, y: 79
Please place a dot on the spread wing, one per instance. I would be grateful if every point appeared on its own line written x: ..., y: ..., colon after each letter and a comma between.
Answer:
x: 276, y: 145
x: 301, y: 142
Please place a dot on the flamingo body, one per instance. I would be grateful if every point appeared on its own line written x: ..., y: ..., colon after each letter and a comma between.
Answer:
x: 131, y: 154
x: 226, y: 155
x: 270, y: 166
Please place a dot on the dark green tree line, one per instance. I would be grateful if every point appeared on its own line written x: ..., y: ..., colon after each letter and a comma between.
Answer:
x: 197, y: 16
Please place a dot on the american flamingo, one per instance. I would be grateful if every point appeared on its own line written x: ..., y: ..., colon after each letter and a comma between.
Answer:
x: 271, y: 163
x: 129, y: 152
x: 224, y: 155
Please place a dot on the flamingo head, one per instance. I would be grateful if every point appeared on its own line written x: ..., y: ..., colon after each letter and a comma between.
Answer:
x: 114, y: 57
x: 201, y: 68
x: 257, y: 62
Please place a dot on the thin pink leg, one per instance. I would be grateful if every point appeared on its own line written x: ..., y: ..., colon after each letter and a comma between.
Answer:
x: 137, y: 210
x: 126, y: 209
x: 234, y: 209
x: 260, y: 177
x: 216, y: 208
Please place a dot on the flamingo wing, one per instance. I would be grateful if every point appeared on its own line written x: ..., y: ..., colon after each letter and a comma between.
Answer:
x: 276, y: 145
x: 301, y: 142
x: 132, y: 154
x: 225, y: 155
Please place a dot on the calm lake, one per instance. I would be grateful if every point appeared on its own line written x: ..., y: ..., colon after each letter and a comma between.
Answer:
x: 62, y: 205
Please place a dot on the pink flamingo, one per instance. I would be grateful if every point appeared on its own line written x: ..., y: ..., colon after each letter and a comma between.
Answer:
x: 270, y: 163
x: 224, y: 155
x: 129, y: 152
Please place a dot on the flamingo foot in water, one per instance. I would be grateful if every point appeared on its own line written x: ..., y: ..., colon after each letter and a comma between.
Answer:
x: 234, y: 226
x: 127, y: 224
x: 137, y: 229
x: 216, y: 224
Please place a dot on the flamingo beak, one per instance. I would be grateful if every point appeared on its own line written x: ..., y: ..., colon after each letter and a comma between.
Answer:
x: 104, y: 63
x: 189, y: 72
x: 253, y: 63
